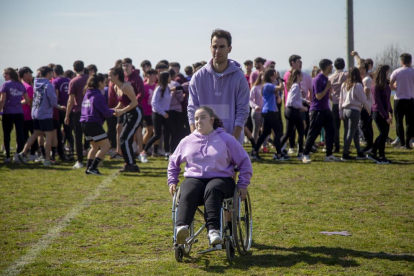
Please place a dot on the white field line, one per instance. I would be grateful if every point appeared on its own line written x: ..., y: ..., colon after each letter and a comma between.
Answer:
x: 54, y: 232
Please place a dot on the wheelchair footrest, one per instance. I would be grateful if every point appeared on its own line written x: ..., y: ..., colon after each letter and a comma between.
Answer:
x: 215, y: 248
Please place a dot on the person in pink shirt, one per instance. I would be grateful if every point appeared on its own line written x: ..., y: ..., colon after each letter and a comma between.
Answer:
x: 402, y: 80
x: 25, y: 74
x: 256, y: 104
x: 149, y: 86
x: 259, y: 65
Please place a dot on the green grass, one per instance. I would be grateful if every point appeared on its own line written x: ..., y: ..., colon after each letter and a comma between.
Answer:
x: 127, y: 228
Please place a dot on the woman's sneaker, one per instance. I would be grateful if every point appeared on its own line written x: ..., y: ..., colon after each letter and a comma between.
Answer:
x: 347, y: 157
x: 182, y: 234
x: 255, y: 156
x: 361, y: 156
x: 22, y: 158
x: 47, y: 163
x: 143, y: 158
x: 282, y: 157
x: 332, y: 158
x: 306, y: 159
x: 130, y: 168
x: 372, y: 157
x: 78, y: 165
x: 93, y: 171
x: 383, y: 160
x: 291, y: 151
x: 214, y: 237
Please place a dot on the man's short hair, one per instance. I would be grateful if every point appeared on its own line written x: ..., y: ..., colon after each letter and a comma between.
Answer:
x: 127, y: 60
x: 165, y: 62
x: 172, y: 73
x: 92, y: 67
x: 219, y: 33
x: 406, y: 58
x: 197, y: 64
x: 339, y: 64
x: 161, y: 65
x: 58, y: 69
x: 78, y: 66
x: 44, y: 70
x: 324, y: 63
x: 146, y: 63
x: 175, y: 64
x: 260, y: 60
x: 151, y: 72
x: 24, y: 70
x: 293, y: 58
x: 188, y: 70
x: 69, y: 74
x: 248, y: 62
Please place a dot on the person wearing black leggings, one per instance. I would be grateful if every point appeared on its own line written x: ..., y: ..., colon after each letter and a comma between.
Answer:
x: 271, y: 97
x: 160, y: 103
x: 294, y: 107
x: 382, y: 113
x: 128, y: 108
x: 11, y: 93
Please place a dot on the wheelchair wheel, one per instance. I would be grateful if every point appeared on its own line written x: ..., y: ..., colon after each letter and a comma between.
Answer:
x: 230, y: 250
x: 179, y: 253
x: 242, y: 223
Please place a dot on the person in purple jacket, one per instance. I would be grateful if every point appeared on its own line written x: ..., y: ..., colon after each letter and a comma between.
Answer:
x: 93, y: 114
x: 381, y: 113
x: 11, y: 93
x: 210, y: 155
x: 221, y: 85
x: 44, y: 100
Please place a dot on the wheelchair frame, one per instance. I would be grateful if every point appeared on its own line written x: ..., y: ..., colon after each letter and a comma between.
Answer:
x: 238, y: 237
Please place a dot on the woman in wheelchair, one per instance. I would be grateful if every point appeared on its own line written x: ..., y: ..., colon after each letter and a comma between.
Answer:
x: 211, y: 155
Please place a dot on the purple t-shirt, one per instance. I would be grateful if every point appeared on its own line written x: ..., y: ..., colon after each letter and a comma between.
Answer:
x: 318, y: 85
x: 76, y: 87
x: 14, y: 92
x: 62, y: 85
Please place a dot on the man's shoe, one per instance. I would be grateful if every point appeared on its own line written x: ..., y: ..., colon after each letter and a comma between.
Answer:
x: 214, y: 237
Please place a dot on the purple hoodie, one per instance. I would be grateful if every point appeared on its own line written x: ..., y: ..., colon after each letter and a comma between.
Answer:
x: 44, y: 99
x: 94, y: 107
x: 210, y: 156
x: 226, y: 93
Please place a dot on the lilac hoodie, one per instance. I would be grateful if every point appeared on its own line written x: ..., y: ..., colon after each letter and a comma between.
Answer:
x: 226, y: 93
x: 44, y: 99
x: 210, y: 156
x: 94, y: 107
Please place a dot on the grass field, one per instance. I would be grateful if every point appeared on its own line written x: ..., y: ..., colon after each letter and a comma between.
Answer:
x: 58, y: 221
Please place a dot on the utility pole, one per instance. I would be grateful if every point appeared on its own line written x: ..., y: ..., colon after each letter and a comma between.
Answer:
x: 350, y: 31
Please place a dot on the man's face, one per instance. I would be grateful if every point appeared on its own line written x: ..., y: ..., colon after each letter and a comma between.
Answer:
x: 127, y: 67
x: 27, y: 77
x: 219, y: 49
x: 330, y: 68
x: 49, y: 75
x: 297, y: 64
x: 176, y: 70
x: 152, y: 77
x: 248, y: 67
x: 258, y: 65
x: 272, y: 65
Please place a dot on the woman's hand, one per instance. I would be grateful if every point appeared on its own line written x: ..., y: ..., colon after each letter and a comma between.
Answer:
x: 242, y: 193
x: 166, y: 116
x: 172, y: 189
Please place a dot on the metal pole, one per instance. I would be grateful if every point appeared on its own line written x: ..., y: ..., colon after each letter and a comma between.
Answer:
x: 350, y: 31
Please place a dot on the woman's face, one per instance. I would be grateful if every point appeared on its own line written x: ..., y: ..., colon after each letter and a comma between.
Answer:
x: 101, y: 85
x: 203, y: 122
x: 6, y: 76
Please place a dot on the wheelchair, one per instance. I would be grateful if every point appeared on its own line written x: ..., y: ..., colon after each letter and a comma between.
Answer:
x: 235, y: 235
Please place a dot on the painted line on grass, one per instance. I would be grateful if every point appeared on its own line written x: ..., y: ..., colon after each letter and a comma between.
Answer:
x: 54, y: 232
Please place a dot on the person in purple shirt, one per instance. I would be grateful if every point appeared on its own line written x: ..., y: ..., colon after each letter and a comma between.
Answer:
x: 221, y: 85
x: 93, y: 113
x: 210, y: 155
x: 76, y: 87
x: 381, y: 113
x: 44, y: 100
x: 61, y: 84
x: 321, y: 114
x: 11, y: 93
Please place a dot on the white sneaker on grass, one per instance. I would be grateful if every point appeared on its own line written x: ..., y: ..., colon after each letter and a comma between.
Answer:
x: 16, y: 159
x: 143, y: 158
x: 291, y: 151
x: 214, y: 237
x: 306, y: 159
x: 78, y: 165
x: 332, y: 158
x: 182, y: 234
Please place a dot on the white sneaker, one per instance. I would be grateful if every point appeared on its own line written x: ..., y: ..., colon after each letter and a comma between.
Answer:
x: 40, y: 159
x: 332, y: 158
x: 396, y: 142
x: 32, y: 158
x: 143, y: 158
x: 324, y: 149
x: 78, y: 165
x: 291, y: 151
x: 16, y: 158
x: 306, y: 159
x: 182, y: 234
x: 214, y: 237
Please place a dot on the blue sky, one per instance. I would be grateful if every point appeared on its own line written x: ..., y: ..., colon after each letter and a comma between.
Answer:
x: 35, y: 33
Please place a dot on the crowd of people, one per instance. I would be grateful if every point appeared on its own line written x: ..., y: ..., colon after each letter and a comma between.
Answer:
x: 151, y: 110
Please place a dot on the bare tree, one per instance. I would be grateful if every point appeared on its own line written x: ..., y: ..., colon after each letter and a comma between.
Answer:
x: 390, y: 56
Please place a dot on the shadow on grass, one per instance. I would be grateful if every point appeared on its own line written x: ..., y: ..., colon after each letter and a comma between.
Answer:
x: 330, y: 256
